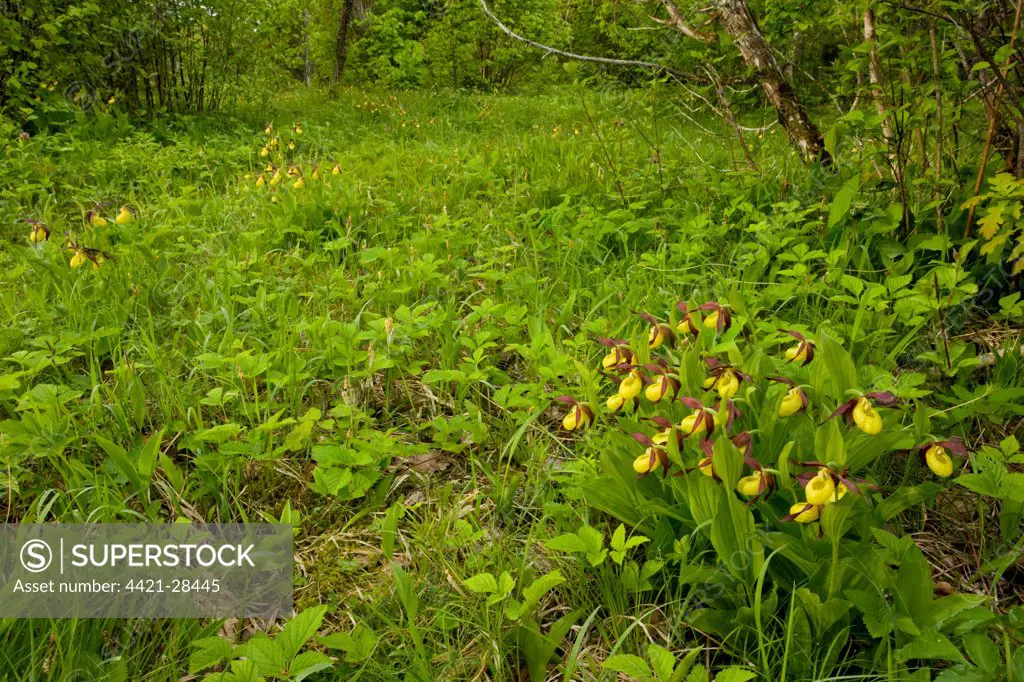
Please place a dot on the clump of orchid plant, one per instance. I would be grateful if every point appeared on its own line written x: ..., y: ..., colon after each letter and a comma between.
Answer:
x: 649, y: 386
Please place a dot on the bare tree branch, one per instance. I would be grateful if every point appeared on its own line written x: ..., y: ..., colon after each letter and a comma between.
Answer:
x: 572, y: 55
x: 677, y: 21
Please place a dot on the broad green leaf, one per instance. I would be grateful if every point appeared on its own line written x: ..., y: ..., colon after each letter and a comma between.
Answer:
x: 482, y: 582
x: 841, y: 370
x: 267, y: 655
x: 630, y: 665
x: 208, y: 652
x: 929, y: 645
x: 300, y: 630
x: 841, y: 203
x: 123, y: 462
x: 307, y: 663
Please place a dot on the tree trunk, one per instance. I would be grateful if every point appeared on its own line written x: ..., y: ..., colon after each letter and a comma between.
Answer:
x: 738, y: 22
x: 307, y: 71
x: 341, y: 47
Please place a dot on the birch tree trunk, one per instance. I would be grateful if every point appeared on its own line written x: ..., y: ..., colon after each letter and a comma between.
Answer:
x: 738, y: 22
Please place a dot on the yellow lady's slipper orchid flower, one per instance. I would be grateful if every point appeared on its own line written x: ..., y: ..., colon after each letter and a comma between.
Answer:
x: 316, y: 173
x: 261, y: 180
x: 631, y: 385
x: 300, y: 183
x: 336, y: 170
x: 661, y: 437
x: 939, y: 461
x: 578, y: 417
x: 806, y: 516
x: 78, y: 260
x: 689, y: 323
x: 124, y: 216
x: 792, y: 403
x: 647, y: 462
x: 618, y: 356
x: 706, y: 467
x: 797, y: 353
x: 866, y: 417
x: 821, y: 488
x: 656, y: 337
x: 750, y: 485
x: 94, y: 218
x: 658, y: 389
x: 264, y: 152
x: 291, y: 146
x: 840, y: 493
x: 40, y: 233
x: 269, y: 130
x: 276, y: 180
x: 711, y: 321
x: 728, y: 384
x: 710, y: 382
x: 615, y: 403
x: 694, y: 424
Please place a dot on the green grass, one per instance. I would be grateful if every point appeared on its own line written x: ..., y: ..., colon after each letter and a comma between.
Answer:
x: 428, y: 303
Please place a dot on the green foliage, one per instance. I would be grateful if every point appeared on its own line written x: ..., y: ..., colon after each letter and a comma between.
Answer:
x: 373, y: 356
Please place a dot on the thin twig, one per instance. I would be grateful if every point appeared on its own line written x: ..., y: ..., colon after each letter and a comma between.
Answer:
x: 573, y: 55
x: 993, y: 116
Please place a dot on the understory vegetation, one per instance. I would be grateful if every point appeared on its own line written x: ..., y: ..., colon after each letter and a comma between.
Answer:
x: 558, y: 371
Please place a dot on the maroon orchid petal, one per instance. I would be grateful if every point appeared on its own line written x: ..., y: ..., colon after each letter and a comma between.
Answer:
x: 607, y: 342
x: 664, y: 388
x: 566, y: 400
x: 709, y: 423
x: 708, y: 447
x: 883, y: 398
x: 955, y: 446
x: 783, y: 380
x: 850, y: 485
x: 844, y: 408
x: 745, y: 442
x: 663, y: 459
x: 712, y: 305
x: 810, y: 353
x: 804, y: 478
x: 714, y: 363
x: 692, y: 403
x: 807, y: 463
x: 663, y: 422
x: 649, y: 319
x: 724, y: 320
x: 641, y: 438
x: 654, y: 369
x: 790, y: 517
x: 795, y: 334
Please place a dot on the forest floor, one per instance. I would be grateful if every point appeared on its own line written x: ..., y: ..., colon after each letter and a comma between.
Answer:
x: 439, y: 273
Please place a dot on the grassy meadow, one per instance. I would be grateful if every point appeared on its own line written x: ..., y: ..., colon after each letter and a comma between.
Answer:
x: 371, y: 349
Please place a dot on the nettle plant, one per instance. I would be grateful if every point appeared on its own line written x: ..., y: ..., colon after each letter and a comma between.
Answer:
x: 738, y: 445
